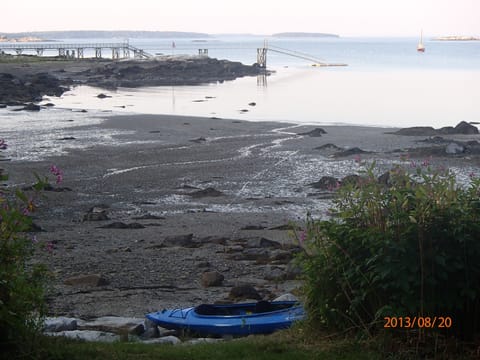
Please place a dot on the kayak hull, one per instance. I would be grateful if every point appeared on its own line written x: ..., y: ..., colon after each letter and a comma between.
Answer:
x: 231, y: 319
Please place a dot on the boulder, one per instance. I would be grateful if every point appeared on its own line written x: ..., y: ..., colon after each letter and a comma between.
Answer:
x: 122, y: 225
x: 180, y: 240
x: 454, y: 149
x: 57, y: 324
x: 96, y: 213
x: 317, y: 132
x: 88, y: 335
x: 172, y: 340
x: 243, y: 292
x: 350, y: 152
x: 261, y: 242
x: 325, y: 183
x: 286, y: 297
x: 31, y: 107
x: 211, y: 278
x: 86, y: 280
x: 466, y: 128
x: 417, y: 131
x: 208, y: 192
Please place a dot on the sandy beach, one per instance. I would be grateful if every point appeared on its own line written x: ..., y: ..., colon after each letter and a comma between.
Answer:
x: 139, y: 223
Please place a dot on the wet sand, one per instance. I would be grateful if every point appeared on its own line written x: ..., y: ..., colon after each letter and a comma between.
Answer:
x: 260, y: 172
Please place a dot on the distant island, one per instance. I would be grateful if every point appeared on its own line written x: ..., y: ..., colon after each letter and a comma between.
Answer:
x: 4, y: 38
x: 305, y: 34
x: 102, y: 34
x: 457, y: 38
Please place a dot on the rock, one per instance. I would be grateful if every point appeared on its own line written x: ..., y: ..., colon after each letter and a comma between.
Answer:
x: 351, y: 180
x: 293, y: 271
x: 252, y: 104
x: 180, y: 240
x: 67, y: 138
x: 384, y: 178
x: 261, y: 242
x: 198, y: 140
x: 31, y: 107
x: 286, y: 297
x: 208, y: 192
x: 244, y: 292
x: 88, y: 335
x: 172, y: 340
x: 256, y: 254
x: 148, y: 217
x: 96, y: 213
x: 350, y: 152
x: 86, y: 280
x: 56, y: 324
x: 317, y: 132
x: 151, y: 329
x: 281, y: 256
x: 466, y: 128
x: 3, y: 106
x: 325, y: 183
x: 103, y: 96
x: 461, y: 128
x: 49, y: 105
x: 202, y: 341
x: 454, y: 149
x: 416, y: 131
x: 115, y: 324
x: 253, y: 227
x: 219, y: 240
x: 211, y: 278
x: 122, y: 225
x: 274, y: 273
x: 434, y: 140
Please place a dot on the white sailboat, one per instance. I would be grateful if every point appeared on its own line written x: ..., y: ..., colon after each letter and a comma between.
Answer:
x: 420, y: 46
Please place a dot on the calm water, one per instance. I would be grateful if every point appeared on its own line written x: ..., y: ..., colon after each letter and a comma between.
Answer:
x: 387, y: 83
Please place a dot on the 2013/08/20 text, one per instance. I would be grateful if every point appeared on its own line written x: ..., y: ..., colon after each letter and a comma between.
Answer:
x: 427, y: 322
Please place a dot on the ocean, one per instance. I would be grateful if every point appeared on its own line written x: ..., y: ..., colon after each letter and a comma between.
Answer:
x: 387, y: 83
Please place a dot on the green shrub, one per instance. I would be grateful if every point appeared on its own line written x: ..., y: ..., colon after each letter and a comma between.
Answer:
x: 408, y: 248
x: 22, y: 283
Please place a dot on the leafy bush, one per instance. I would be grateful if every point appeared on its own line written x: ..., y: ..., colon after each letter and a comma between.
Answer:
x: 22, y: 282
x: 406, y: 247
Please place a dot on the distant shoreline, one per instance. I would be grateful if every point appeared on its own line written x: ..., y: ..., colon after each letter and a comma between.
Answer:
x: 456, y: 38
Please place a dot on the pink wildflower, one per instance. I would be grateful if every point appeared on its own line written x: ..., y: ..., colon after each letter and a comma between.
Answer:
x: 357, y: 158
x: 57, y: 172
x: 50, y: 247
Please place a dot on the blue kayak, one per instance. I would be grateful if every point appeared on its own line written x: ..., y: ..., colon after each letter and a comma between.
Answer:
x: 263, y: 317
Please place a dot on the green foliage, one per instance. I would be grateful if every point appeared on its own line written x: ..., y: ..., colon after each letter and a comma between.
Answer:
x: 22, y: 282
x: 410, y: 247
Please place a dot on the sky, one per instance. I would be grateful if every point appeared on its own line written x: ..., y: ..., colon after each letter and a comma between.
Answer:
x: 343, y: 17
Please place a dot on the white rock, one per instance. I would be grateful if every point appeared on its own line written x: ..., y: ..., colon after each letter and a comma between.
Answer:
x: 454, y: 148
x: 286, y: 297
x: 56, y: 324
x: 163, y: 340
x: 87, y: 335
x: 112, y: 322
x: 202, y: 341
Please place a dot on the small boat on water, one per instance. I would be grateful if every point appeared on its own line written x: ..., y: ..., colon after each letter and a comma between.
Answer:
x: 420, y: 46
x: 262, y: 317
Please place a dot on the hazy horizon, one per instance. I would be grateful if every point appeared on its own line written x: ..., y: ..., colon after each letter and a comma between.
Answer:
x: 347, y: 18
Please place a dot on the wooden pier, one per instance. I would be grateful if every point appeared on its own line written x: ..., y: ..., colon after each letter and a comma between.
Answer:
x: 77, y: 51
x: 262, y: 56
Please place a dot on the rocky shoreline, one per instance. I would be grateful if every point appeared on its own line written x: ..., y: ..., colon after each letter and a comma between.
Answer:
x: 26, y: 82
x: 187, y: 210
